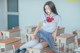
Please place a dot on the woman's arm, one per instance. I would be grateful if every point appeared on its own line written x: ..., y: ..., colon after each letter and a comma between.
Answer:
x: 37, y: 29
x: 55, y: 33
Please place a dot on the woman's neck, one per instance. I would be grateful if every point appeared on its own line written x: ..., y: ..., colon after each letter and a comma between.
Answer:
x: 51, y: 15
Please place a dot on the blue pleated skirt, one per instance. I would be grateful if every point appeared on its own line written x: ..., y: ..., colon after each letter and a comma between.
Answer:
x: 47, y: 36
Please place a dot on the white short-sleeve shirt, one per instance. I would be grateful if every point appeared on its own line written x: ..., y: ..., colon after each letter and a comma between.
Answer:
x: 51, y: 26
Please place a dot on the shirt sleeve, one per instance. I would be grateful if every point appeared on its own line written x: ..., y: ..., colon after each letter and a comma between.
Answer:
x: 43, y: 17
x: 59, y: 21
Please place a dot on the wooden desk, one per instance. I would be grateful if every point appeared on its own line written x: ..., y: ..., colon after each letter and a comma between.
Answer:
x: 77, y: 38
x: 11, y: 33
x: 65, y: 40
x: 7, y: 44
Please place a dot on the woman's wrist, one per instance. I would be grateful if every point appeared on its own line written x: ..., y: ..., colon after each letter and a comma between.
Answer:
x: 34, y: 33
x: 54, y: 38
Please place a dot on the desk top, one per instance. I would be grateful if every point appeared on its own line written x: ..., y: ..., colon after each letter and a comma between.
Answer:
x: 9, y: 40
x: 66, y: 36
x: 12, y: 30
x: 30, y: 34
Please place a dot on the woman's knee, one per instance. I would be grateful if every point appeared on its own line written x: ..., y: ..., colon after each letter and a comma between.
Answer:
x: 41, y: 45
x: 44, y: 43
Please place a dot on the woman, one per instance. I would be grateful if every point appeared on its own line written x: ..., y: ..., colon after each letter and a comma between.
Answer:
x: 43, y: 33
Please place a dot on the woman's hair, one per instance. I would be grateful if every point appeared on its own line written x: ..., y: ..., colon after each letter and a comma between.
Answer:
x: 52, y: 7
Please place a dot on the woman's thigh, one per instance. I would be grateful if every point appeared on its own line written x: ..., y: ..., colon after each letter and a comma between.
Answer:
x: 44, y: 44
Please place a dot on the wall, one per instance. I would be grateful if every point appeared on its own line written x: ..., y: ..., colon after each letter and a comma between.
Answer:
x: 3, y: 19
x: 30, y: 12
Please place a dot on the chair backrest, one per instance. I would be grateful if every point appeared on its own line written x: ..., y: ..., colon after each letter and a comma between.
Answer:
x: 60, y: 30
x: 30, y: 29
x: 1, y: 35
x: 77, y: 38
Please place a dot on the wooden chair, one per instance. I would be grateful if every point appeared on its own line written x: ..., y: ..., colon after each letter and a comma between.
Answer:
x: 77, y: 39
x: 1, y: 35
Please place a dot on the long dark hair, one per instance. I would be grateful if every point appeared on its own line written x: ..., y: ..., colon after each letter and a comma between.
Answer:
x: 52, y: 7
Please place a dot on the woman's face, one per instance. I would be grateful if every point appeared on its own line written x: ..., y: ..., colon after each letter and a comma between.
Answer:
x: 47, y: 9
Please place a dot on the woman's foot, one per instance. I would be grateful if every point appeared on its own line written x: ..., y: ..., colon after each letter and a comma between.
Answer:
x: 17, y: 51
x: 23, y: 50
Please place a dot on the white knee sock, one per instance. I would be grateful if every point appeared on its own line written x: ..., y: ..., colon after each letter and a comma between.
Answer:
x: 29, y: 44
x: 38, y: 46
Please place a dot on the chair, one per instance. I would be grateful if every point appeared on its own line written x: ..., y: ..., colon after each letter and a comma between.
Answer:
x: 77, y: 38
x: 1, y: 35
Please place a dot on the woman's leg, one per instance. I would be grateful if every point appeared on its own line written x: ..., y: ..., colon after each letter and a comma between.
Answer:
x: 41, y: 45
x: 27, y: 45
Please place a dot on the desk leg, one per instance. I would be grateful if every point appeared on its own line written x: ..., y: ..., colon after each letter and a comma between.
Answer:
x: 59, y: 46
x: 65, y: 48
x: 74, y: 47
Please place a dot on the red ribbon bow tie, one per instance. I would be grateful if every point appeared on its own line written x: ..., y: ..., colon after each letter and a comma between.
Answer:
x: 49, y: 19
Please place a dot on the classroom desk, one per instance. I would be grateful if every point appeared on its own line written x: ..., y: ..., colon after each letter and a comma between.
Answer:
x: 65, y: 40
x: 6, y: 44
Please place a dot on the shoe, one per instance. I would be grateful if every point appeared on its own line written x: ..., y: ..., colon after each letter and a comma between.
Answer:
x: 23, y: 50
x: 17, y: 51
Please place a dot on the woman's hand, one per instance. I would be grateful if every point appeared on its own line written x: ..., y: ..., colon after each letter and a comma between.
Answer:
x: 54, y: 39
x: 55, y: 33
x: 37, y: 29
x: 35, y: 36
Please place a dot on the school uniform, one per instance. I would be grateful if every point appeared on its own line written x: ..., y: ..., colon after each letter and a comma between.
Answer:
x: 47, y: 29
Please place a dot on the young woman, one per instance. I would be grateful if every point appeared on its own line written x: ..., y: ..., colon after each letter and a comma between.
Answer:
x: 43, y: 33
